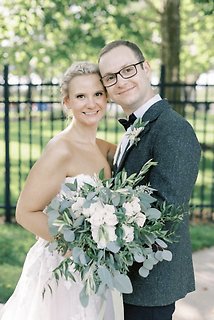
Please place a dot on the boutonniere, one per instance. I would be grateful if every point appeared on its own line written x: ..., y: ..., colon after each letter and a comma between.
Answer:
x: 134, y: 130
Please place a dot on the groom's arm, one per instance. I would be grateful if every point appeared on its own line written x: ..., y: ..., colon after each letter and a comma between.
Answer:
x: 177, y: 151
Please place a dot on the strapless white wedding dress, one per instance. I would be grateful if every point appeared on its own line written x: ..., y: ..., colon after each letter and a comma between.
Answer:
x: 62, y: 303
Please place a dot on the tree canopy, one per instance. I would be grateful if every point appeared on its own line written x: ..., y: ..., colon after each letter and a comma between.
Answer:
x: 46, y: 36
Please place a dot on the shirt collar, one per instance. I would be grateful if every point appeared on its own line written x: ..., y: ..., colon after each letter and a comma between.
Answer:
x: 142, y: 110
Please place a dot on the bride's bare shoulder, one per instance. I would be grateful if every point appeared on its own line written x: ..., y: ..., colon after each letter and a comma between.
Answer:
x: 58, y: 147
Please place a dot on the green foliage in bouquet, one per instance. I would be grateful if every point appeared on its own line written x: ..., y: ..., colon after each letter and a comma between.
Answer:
x: 108, y: 224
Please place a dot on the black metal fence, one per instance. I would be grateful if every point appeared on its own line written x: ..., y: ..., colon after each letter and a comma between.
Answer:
x: 31, y: 113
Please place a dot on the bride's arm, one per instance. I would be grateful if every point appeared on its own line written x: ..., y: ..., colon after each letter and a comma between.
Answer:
x: 108, y: 149
x: 42, y: 184
x: 111, y: 152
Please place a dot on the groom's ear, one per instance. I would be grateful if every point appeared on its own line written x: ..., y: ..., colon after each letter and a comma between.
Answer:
x: 147, y: 68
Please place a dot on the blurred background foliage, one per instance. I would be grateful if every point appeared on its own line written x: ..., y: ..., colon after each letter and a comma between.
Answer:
x: 45, y: 36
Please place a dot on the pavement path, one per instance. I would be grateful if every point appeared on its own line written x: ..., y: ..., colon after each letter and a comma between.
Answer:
x: 198, y: 305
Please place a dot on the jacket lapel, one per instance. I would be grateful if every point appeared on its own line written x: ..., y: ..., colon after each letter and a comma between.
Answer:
x: 130, y: 147
x: 151, y: 115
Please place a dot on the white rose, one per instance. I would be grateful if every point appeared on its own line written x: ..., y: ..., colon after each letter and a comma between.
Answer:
x: 109, y: 216
x: 97, y: 219
x: 140, y: 219
x: 136, y: 204
x: 86, y: 212
x: 99, y: 237
x: 103, y: 234
x: 132, y: 207
x: 110, y: 231
x: 128, y: 233
x: 93, y: 209
x: 77, y: 206
x: 128, y: 208
x: 109, y: 208
x: 110, y: 219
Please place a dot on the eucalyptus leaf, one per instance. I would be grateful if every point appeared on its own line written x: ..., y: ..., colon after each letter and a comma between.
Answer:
x: 122, y: 283
x: 104, y: 195
x: 91, y: 195
x: 68, y: 235
x: 113, y: 246
x: 102, y: 289
x: 53, y: 230
x: 52, y: 215
x: 148, y: 264
x: 76, y: 252
x: 153, y: 259
x: 147, y: 251
x: 146, y: 199
x: 72, y: 186
x: 115, y: 199
x: 100, y: 255
x: 52, y: 246
x: 167, y: 255
x: 150, y: 238
x: 159, y: 255
x: 78, y: 222
x: 139, y: 257
x: 87, y: 204
x: 161, y: 243
x: 65, y: 204
x: 111, y: 260
x: 55, y: 203
x: 105, y: 276
x: 153, y: 214
x: 143, y: 272
x: 83, y: 259
x: 84, y: 298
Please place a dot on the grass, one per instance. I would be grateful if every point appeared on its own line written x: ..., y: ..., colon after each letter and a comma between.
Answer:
x: 202, y: 236
x: 15, y: 242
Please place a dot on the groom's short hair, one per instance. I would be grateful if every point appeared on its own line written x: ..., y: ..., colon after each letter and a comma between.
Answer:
x: 114, y: 44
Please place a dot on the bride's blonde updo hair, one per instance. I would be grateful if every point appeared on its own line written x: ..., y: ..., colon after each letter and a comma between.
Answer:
x: 76, y: 69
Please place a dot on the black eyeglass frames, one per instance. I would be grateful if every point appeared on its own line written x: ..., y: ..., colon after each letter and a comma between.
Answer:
x: 127, y: 72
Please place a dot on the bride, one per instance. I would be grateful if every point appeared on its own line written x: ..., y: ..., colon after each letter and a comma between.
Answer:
x: 74, y: 151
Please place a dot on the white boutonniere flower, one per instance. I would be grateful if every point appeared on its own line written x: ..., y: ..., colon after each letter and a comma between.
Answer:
x: 134, y: 130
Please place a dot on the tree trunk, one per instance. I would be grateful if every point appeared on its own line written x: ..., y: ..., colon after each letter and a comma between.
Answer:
x: 170, y: 49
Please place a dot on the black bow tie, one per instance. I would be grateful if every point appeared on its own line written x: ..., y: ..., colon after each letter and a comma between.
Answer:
x: 129, y: 122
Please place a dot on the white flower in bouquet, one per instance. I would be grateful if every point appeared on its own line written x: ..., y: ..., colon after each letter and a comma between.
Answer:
x: 128, y: 233
x: 140, y: 219
x: 109, y: 216
x: 76, y: 207
x: 85, y: 179
x: 132, y: 207
x: 103, y: 235
x: 108, y: 224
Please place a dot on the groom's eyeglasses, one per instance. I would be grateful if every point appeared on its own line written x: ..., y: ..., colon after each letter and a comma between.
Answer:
x: 127, y: 72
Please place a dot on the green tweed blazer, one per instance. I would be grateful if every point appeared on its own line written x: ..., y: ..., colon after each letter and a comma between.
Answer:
x: 170, y: 140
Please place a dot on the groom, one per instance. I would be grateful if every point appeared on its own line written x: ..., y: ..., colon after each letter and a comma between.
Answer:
x: 170, y: 140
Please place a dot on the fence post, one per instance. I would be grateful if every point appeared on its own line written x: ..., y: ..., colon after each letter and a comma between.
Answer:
x: 7, y: 145
x: 162, y: 81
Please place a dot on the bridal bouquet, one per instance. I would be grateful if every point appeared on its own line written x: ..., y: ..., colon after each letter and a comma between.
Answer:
x: 108, y: 224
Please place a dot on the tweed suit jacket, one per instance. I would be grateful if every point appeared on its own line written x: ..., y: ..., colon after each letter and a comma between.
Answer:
x: 170, y: 140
